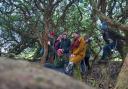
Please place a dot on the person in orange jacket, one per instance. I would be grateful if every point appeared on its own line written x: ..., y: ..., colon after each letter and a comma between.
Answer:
x: 78, y: 49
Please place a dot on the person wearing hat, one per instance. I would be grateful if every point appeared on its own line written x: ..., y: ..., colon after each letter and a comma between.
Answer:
x: 51, y: 51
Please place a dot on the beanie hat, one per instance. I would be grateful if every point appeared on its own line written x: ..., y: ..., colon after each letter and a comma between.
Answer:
x: 52, y: 33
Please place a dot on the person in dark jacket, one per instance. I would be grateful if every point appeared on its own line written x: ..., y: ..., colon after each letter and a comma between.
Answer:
x: 110, y: 44
x: 51, y: 51
x: 64, y: 48
x: 85, y: 63
x: 113, y: 40
x: 65, y: 44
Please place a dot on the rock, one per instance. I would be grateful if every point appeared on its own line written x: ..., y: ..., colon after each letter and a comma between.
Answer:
x: 18, y: 74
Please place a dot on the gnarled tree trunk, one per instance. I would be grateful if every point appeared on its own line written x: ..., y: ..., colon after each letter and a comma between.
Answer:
x: 122, y: 81
x: 45, y: 39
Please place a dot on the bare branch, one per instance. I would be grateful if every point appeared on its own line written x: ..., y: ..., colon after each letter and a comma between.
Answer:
x: 111, y: 6
x: 40, y: 4
x: 57, y: 2
x: 107, y: 19
x: 62, y: 17
x: 81, y: 17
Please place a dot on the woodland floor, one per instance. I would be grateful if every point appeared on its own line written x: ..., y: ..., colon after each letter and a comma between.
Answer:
x: 102, y: 76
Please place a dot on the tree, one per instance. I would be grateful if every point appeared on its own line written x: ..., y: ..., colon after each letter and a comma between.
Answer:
x: 122, y: 78
x: 32, y: 15
x: 25, y: 24
x: 99, y: 10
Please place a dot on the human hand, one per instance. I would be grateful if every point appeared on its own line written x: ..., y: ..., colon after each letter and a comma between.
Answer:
x: 72, y: 55
x: 59, y: 52
x: 49, y: 43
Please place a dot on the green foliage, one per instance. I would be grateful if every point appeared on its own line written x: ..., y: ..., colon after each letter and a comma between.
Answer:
x: 28, y: 53
x: 76, y: 19
x: 21, y: 16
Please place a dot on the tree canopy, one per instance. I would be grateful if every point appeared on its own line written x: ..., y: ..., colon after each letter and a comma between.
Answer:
x: 25, y: 24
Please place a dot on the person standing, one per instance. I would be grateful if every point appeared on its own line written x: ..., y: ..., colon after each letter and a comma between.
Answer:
x: 57, y: 42
x: 85, y: 62
x: 51, y: 51
x: 65, y: 44
x: 58, y: 53
x: 64, y: 48
x: 109, y: 43
x: 78, y: 49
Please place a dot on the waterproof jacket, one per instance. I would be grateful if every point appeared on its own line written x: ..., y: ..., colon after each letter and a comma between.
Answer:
x: 78, y: 50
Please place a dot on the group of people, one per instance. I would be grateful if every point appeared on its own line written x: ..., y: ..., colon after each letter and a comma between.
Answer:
x: 66, y: 52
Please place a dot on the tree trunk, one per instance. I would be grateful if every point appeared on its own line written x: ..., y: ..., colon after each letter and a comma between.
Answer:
x: 122, y: 81
x: 44, y: 57
x: 45, y: 42
x: 102, y: 5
